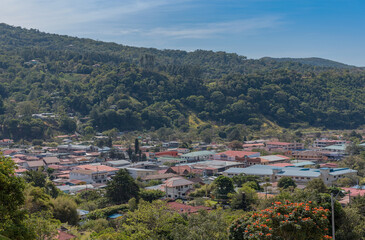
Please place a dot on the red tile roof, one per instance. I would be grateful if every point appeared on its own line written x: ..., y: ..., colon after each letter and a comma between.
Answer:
x: 282, y: 165
x: 181, y: 169
x: 355, y: 192
x: 64, y: 235
x: 278, y: 143
x: 98, y: 168
x: 182, y: 208
x: 240, y: 154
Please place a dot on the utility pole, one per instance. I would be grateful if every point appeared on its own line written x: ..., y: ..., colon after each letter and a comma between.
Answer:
x: 333, y: 217
x: 349, y: 197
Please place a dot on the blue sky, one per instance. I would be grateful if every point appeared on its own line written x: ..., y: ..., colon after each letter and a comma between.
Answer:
x: 332, y: 29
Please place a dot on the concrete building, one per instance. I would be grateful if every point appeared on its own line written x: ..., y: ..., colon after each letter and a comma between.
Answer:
x: 89, y: 176
x: 309, y: 155
x: 117, y: 164
x: 232, y: 155
x: 141, y: 172
x: 338, y: 148
x: 213, y: 167
x: 320, y: 143
x: 198, y: 156
x: 284, y: 145
x: 299, y: 175
x: 177, y: 187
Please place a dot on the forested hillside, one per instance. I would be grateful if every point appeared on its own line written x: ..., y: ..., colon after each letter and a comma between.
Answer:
x: 106, y: 85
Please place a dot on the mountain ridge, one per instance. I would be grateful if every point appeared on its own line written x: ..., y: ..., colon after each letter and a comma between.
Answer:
x: 315, y: 61
x: 129, y: 88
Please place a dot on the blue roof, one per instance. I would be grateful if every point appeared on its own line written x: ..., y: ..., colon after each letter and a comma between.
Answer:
x: 82, y: 212
x: 115, y: 216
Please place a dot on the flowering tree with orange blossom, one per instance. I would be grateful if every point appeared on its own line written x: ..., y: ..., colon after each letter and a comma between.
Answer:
x: 284, y: 221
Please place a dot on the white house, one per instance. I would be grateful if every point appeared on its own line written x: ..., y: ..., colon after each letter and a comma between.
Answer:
x: 177, y: 187
x: 89, y: 176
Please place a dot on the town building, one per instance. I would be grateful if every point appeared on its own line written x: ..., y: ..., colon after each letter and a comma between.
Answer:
x: 177, y: 187
x: 89, y: 176
x: 198, y: 156
x: 309, y: 155
x: 232, y: 155
x: 284, y: 145
x: 141, y: 172
x: 321, y: 143
x: 299, y: 175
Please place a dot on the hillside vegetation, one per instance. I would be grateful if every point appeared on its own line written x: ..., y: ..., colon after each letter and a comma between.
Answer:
x: 107, y: 85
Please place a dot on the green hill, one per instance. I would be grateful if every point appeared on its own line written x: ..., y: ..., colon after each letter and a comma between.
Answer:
x: 108, y: 85
x: 319, y: 62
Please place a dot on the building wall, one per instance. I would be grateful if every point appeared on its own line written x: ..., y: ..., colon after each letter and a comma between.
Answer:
x: 82, y: 177
x: 177, y: 192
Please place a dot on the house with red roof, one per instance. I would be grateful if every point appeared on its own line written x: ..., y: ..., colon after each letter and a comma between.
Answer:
x: 179, y: 170
x: 166, y: 153
x: 6, y: 142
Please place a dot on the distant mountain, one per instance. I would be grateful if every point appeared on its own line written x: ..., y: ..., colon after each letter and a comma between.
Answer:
x: 109, y: 85
x: 313, y: 61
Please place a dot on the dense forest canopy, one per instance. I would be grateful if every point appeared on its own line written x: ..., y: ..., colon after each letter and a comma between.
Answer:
x: 108, y: 85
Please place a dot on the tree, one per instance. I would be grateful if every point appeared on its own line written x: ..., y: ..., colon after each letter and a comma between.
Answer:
x: 318, y: 185
x: 36, y: 200
x: 238, y: 180
x: 151, y: 221
x: 129, y: 152
x: 204, y: 225
x: 67, y: 124
x: 352, y: 225
x: 244, y: 198
x: 12, y: 217
x: 151, y: 195
x: 224, y: 186
x: 299, y: 221
x: 36, y: 178
x: 43, y: 225
x: 136, y: 146
x: 286, y: 182
x: 122, y: 187
x: 65, y: 210
x: 89, y: 130
x: 236, y: 145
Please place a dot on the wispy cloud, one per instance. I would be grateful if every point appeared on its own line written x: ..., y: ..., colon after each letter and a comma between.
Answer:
x: 208, y: 30
x: 247, y: 26
x: 57, y: 14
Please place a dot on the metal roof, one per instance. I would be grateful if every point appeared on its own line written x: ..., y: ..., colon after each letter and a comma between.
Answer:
x: 288, y: 171
x: 198, y: 154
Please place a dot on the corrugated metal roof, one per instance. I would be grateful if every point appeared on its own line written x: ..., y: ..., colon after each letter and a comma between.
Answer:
x: 198, y: 154
x: 287, y: 171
